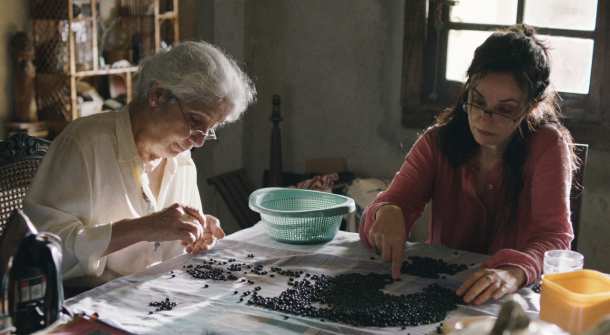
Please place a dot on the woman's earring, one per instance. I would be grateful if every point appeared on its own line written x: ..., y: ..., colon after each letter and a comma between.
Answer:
x: 153, y: 103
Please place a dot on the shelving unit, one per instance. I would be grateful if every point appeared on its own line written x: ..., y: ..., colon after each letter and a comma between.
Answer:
x: 67, y: 38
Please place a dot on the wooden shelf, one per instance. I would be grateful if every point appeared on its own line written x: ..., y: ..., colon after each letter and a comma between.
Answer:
x: 63, y: 59
x: 167, y: 15
x: 106, y: 71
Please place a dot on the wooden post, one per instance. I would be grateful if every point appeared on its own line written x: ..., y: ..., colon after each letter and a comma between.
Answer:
x: 24, y: 74
x: 175, y: 22
x: 275, y: 164
x: 157, y: 27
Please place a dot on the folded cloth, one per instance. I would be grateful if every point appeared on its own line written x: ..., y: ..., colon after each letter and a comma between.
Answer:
x: 319, y: 183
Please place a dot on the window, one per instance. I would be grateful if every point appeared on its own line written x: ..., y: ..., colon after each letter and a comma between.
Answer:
x: 441, y: 36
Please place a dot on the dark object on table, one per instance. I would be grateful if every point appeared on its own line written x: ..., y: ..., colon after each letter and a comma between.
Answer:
x: 235, y: 188
x: 20, y: 156
x: 536, y: 288
x: 163, y: 305
x: 576, y: 196
x: 30, y: 274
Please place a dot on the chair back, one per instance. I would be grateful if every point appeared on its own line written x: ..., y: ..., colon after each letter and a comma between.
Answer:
x: 235, y: 188
x: 20, y: 155
x: 581, y: 151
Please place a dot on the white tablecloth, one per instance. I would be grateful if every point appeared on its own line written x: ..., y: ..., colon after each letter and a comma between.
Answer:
x: 216, y: 310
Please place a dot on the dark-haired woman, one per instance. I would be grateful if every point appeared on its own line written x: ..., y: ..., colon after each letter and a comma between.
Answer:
x: 497, y: 168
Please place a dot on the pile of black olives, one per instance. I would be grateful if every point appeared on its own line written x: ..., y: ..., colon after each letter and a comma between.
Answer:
x: 357, y: 299
x: 163, y: 305
x: 212, y: 273
x: 289, y: 273
x: 427, y: 267
x: 258, y: 269
x: 536, y: 288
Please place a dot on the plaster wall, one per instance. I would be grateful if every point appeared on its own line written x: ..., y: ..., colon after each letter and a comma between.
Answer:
x: 14, y: 17
x: 333, y: 63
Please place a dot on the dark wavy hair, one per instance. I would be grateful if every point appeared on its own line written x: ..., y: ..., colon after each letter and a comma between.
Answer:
x: 514, y: 50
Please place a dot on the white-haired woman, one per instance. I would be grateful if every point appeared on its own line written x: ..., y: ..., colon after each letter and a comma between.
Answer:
x: 120, y: 188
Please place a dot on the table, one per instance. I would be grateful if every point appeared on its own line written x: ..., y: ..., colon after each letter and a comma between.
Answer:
x: 124, y: 302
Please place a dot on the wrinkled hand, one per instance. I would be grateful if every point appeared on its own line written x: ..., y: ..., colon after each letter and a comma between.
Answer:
x: 491, y: 283
x: 388, y: 236
x: 211, y: 233
x: 176, y: 222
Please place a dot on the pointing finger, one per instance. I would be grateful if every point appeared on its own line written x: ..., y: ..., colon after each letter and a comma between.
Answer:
x: 397, y: 251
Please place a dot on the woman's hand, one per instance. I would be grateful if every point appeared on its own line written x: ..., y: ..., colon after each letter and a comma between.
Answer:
x: 491, y: 283
x: 388, y: 236
x: 211, y: 233
x: 176, y: 222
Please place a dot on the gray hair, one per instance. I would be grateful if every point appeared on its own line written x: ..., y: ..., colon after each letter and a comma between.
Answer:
x: 196, y: 71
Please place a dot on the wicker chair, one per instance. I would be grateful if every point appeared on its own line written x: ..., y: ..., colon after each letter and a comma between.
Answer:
x: 20, y: 156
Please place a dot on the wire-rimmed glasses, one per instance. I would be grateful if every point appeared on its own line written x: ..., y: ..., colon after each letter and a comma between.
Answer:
x: 210, y: 135
x: 479, y: 111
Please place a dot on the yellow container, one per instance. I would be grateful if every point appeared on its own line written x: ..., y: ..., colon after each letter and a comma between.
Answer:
x: 575, y: 301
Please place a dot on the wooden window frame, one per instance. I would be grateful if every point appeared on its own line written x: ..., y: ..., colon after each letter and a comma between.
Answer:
x: 587, y: 116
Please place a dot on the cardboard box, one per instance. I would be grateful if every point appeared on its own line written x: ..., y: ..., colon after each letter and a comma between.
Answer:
x: 324, y: 166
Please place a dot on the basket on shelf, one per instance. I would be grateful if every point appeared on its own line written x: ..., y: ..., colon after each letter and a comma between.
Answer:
x: 300, y: 216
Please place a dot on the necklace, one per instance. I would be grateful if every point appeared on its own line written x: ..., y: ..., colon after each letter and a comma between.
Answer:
x: 150, y: 209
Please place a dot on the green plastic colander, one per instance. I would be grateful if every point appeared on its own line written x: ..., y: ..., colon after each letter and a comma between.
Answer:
x: 300, y: 216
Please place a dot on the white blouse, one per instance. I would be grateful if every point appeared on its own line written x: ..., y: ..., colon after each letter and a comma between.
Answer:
x: 92, y: 176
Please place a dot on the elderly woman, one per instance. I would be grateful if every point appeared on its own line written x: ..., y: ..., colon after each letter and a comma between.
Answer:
x: 497, y: 168
x: 120, y: 188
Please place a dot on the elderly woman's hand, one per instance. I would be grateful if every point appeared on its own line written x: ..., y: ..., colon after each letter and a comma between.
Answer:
x: 388, y: 236
x: 491, y: 283
x: 176, y: 222
x: 197, y: 231
x: 211, y: 233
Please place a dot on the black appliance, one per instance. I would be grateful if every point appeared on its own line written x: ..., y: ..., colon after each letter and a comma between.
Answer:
x: 31, y: 290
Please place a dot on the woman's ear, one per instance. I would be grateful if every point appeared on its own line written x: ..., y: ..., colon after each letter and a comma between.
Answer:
x: 156, y: 95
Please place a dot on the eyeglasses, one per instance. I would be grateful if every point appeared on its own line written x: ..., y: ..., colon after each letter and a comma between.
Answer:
x: 472, y: 109
x: 210, y: 135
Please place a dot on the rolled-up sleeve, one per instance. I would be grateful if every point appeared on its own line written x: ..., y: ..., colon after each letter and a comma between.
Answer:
x: 60, y: 201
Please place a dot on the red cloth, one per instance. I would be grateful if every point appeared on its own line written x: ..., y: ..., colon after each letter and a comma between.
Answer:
x: 319, y: 183
x: 460, y: 220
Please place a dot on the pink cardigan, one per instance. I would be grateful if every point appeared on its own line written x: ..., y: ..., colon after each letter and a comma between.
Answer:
x: 460, y: 220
